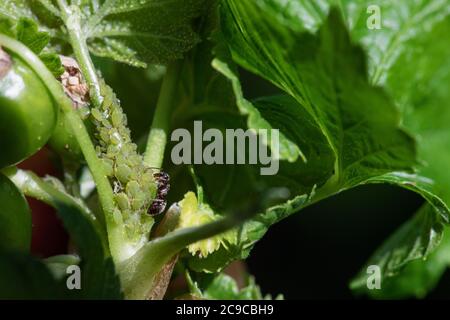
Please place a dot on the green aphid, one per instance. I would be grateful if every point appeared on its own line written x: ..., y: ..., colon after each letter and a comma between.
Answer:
x: 133, y: 189
x: 123, y: 172
x: 107, y: 97
x: 126, y: 214
x: 117, y: 118
x: 112, y: 151
x: 137, y: 203
x: 122, y: 200
x: 117, y: 216
x: 129, y: 149
x: 134, y: 160
x: 97, y: 114
x: 84, y: 111
x: 106, y: 123
x: 124, y: 131
x: 147, y: 181
x: 108, y: 166
x: 104, y: 135
x: 115, y: 137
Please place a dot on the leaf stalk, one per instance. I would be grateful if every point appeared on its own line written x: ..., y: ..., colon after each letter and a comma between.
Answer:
x: 159, y: 132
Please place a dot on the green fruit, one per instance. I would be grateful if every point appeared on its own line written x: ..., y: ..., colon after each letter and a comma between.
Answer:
x: 28, y: 113
x: 63, y: 141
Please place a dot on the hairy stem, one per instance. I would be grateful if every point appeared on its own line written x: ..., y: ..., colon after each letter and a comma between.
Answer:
x: 157, y: 139
x: 103, y: 186
x: 71, y: 16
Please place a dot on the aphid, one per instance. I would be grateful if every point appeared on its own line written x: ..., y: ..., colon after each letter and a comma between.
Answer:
x: 159, y: 203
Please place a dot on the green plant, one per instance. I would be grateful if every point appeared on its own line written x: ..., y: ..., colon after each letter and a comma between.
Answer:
x: 354, y: 106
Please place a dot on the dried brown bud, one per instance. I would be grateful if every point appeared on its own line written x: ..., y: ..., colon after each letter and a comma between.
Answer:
x: 73, y: 82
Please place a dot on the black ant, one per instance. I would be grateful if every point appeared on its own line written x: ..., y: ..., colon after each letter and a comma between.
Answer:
x: 159, y: 203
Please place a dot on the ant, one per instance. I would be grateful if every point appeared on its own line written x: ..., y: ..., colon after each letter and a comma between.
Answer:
x: 159, y: 203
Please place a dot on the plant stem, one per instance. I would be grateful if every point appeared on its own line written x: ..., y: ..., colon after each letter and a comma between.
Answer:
x: 157, y: 138
x: 198, y: 185
x: 71, y: 16
x: 193, y: 289
x: 139, y: 271
x: 103, y: 186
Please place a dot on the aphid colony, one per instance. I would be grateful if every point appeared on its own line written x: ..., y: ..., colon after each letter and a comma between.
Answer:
x: 139, y: 191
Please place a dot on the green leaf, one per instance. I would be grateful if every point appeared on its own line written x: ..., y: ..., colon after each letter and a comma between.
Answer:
x: 419, y: 184
x: 24, y: 277
x: 58, y: 264
x: 99, y: 279
x: 418, y: 277
x: 15, y: 218
x: 42, y: 12
x: 252, y: 231
x: 340, y: 129
x: 134, y: 32
x: 255, y: 193
x: 6, y: 27
x: 212, y: 100
x: 419, y: 81
x: 401, y: 23
x: 289, y: 150
x: 319, y: 150
x: 316, y: 70
x: 27, y: 32
x: 373, y: 146
x: 416, y: 238
x: 425, y: 100
x: 52, y: 62
x: 15, y: 9
x: 223, y: 287
x: 409, y: 58
x: 396, y: 58
x: 98, y: 276
x: 142, y: 32
x: 326, y: 74
x: 299, y: 126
